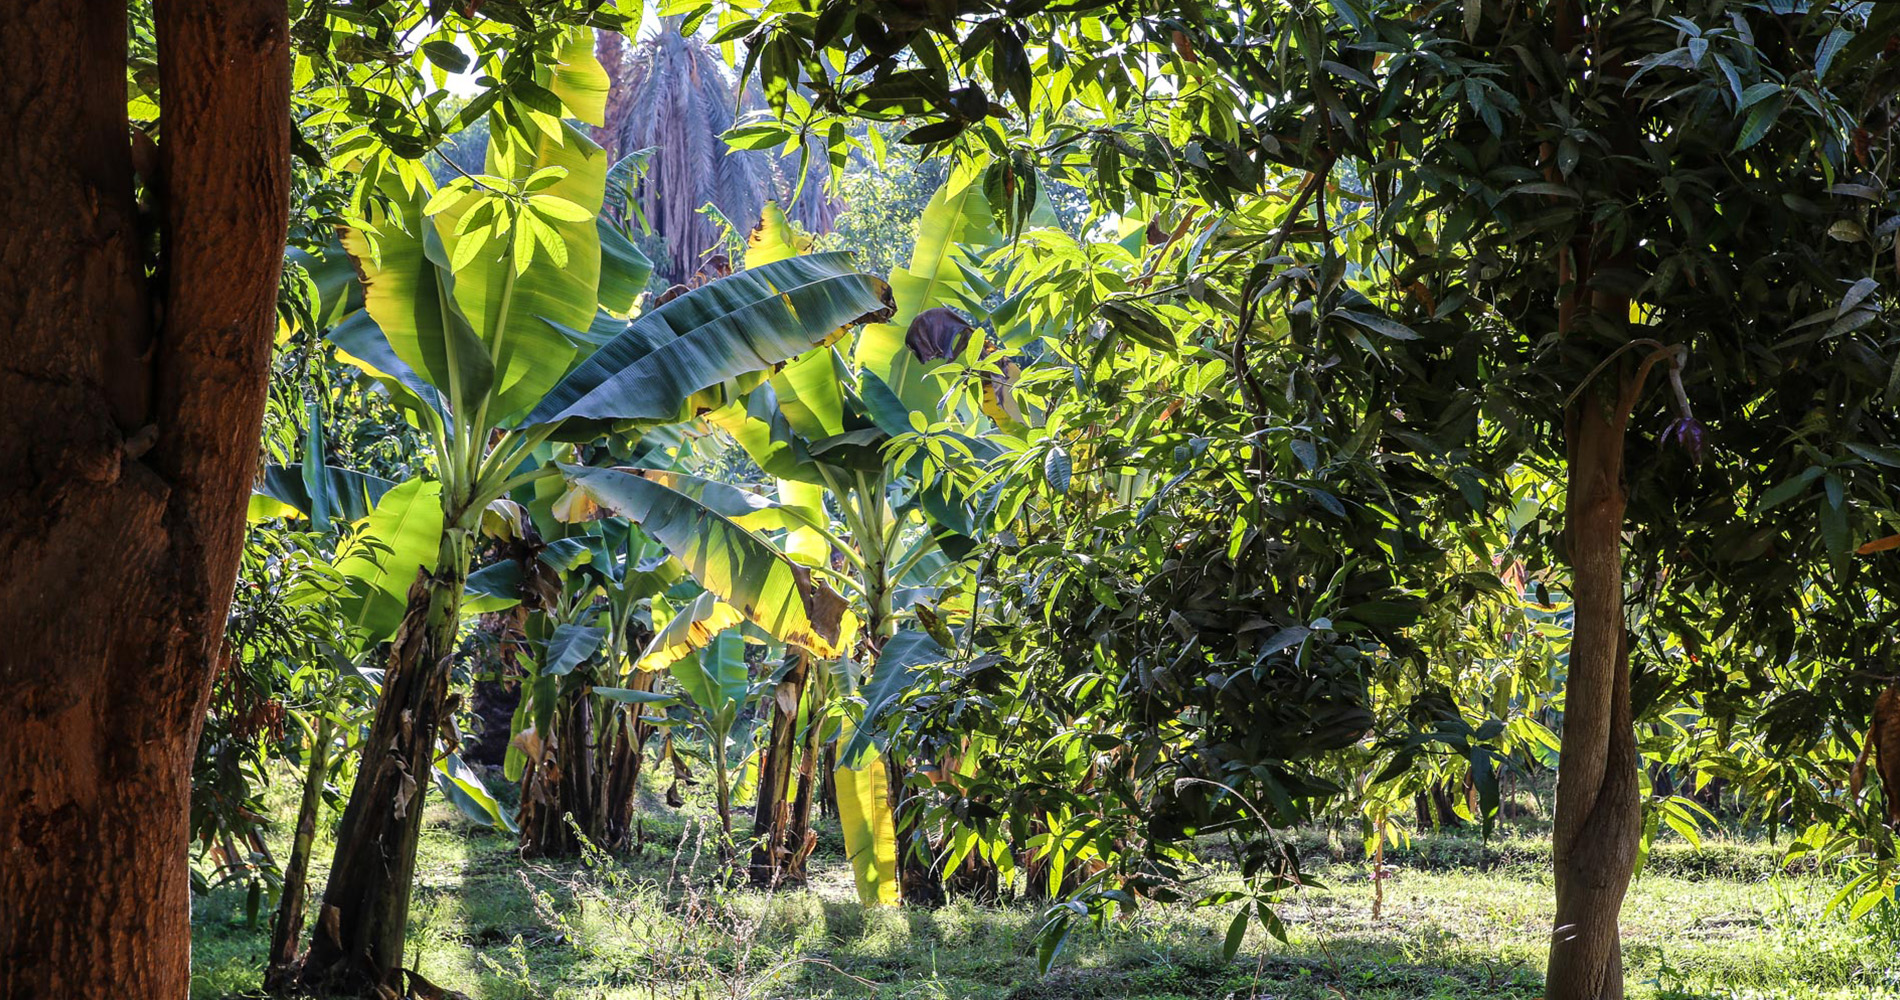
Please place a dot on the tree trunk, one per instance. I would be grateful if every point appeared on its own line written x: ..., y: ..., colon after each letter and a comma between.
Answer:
x: 812, y: 776
x: 546, y: 782
x: 774, y: 848
x: 828, y: 783
x: 977, y: 878
x: 622, y: 778
x: 280, y: 971
x: 1599, y: 815
x: 576, y: 781
x: 358, y: 942
x: 130, y: 437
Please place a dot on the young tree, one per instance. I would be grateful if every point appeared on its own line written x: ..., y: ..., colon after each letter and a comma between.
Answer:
x: 139, y: 290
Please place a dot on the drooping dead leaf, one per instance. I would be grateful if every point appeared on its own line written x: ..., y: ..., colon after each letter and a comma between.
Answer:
x: 405, y: 793
x: 528, y: 741
x: 937, y: 333
x: 505, y: 519
x: 575, y: 506
x: 1883, y: 742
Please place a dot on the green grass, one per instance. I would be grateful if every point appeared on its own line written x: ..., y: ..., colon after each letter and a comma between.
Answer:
x: 1461, y: 919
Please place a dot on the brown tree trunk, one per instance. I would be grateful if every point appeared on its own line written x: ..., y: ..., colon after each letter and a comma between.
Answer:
x: 615, y: 55
x: 561, y: 786
x: 622, y: 778
x: 773, y: 848
x: 583, y: 775
x: 542, y: 820
x: 128, y: 436
x: 1599, y: 814
x: 358, y: 942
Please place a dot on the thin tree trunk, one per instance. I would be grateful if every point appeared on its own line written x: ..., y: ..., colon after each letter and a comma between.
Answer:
x: 127, y: 448
x: 1599, y: 814
x: 828, y: 782
x: 722, y: 788
x: 287, y: 930
x: 358, y: 943
x: 811, y: 775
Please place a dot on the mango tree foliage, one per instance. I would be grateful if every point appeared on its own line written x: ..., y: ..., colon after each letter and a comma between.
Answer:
x: 1467, y: 239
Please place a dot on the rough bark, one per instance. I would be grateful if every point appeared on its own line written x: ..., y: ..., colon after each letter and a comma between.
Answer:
x: 773, y: 845
x: 131, y: 407
x: 582, y: 777
x: 1599, y: 813
x: 616, y: 57
x: 358, y: 943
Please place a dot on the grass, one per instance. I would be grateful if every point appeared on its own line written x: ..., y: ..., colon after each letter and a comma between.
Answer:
x: 1462, y: 919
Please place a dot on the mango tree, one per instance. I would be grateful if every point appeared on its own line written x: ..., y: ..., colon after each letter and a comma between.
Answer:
x: 130, y: 440
x: 1585, y: 226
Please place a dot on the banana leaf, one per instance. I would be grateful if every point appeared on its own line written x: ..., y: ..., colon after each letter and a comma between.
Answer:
x: 691, y: 629
x: 408, y: 298
x: 512, y: 312
x: 774, y: 238
x: 805, y: 544
x: 899, y: 664
x: 760, y: 428
x: 744, y: 569
x: 870, y: 832
x: 957, y: 215
x: 402, y: 535
x: 717, y: 679
x: 624, y: 270
x: 578, y: 78
x: 739, y: 324
x: 348, y: 494
x: 364, y: 345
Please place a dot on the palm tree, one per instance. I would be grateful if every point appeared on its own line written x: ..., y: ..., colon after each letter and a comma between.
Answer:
x: 676, y: 95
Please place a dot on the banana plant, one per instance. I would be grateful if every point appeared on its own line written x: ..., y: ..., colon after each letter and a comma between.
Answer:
x: 821, y: 426
x: 832, y: 432
x: 576, y: 736
x: 717, y: 684
x: 483, y: 318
